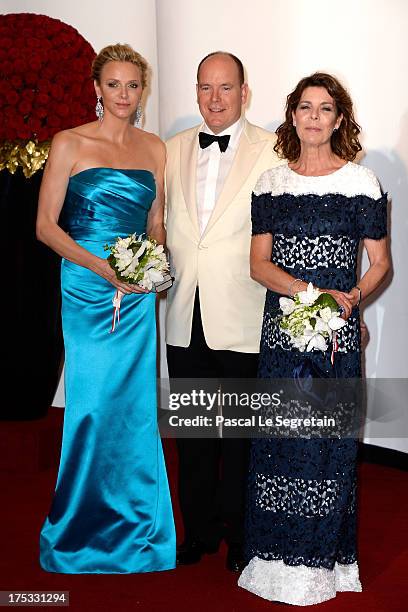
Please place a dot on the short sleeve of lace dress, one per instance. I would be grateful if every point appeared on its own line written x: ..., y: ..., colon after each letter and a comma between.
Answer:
x: 372, y: 217
x: 261, y: 213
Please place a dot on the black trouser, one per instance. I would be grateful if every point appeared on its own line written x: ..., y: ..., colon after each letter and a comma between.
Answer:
x: 212, y: 472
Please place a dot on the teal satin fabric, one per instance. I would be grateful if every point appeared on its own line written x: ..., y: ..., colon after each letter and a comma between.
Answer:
x: 111, y: 511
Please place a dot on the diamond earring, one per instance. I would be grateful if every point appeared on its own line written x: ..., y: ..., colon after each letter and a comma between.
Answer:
x: 139, y: 113
x: 99, y: 108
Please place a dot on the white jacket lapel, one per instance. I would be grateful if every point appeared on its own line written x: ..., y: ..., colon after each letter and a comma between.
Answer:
x: 249, y: 149
x: 188, y: 173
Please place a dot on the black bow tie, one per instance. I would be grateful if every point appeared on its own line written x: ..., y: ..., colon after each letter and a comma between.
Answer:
x: 206, y: 139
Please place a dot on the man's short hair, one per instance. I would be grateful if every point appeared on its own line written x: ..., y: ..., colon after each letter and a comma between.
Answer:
x: 236, y: 59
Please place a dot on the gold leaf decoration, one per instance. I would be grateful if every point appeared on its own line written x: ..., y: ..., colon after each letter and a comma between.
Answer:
x: 30, y: 156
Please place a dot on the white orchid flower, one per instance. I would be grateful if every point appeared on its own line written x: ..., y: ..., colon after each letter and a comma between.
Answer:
x: 150, y: 264
x: 336, y: 323
x: 309, y: 296
x: 122, y: 249
x: 317, y: 341
x: 326, y: 314
x: 300, y: 343
x: 141, y: 250
x: 133, y: 265
x: 321, y: 325
x: 155, y: 275
x: 158, y: 249
x: 287, y: 305
x: 123, y: 260
x: 123, y: 243
x: 146, y: 281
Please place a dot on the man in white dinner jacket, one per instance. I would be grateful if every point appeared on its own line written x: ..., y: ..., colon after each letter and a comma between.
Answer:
x: 214, y: 309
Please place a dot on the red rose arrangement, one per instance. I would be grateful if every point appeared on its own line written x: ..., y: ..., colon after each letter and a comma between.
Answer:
x: 45, y: 86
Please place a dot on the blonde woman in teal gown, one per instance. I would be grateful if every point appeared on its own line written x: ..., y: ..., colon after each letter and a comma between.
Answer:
x: 111, y: 511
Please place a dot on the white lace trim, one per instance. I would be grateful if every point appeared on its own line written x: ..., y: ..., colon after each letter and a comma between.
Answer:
x: 298, y: 585
x: 350, y: 180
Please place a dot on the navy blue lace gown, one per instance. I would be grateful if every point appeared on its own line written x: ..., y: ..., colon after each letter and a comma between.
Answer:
x: 301, y: 514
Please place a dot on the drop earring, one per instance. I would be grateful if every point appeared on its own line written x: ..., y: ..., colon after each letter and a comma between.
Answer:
x: 139, y: 113
x: 99, y: 108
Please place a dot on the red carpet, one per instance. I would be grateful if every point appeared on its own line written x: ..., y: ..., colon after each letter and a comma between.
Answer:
x: 26, y: 496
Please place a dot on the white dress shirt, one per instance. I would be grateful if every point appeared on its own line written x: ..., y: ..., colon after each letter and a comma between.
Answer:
x: 212, y: 170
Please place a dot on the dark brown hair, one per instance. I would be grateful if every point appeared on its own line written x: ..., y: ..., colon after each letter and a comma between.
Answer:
x: 118, y: 53
x: 344, y: 140
x: 236, y: 59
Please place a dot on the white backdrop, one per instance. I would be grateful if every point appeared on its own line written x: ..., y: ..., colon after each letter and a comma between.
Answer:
x: 361, y: 41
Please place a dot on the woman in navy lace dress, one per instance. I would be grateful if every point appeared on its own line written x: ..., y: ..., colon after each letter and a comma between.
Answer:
x: 309, y: 216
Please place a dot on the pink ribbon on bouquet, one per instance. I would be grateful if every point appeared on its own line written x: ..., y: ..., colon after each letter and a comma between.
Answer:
x: 335, y: 346
x: 117, y: 298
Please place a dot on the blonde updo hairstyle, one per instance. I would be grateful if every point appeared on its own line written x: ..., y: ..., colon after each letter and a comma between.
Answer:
x: 119, y: 53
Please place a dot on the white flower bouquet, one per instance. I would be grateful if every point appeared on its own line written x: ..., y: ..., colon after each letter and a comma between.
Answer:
x: 138, y: 261
x: 311, y: 319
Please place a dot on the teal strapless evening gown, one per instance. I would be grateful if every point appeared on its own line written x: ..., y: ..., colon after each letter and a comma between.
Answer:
x: 111, y: 511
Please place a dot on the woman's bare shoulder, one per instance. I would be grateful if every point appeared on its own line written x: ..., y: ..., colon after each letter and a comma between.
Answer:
x: 63, y: 145
x: 152, y: 145
x: 149, y: 138
x: 73, y: 136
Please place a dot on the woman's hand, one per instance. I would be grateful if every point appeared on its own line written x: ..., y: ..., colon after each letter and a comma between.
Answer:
x: 346, y: 301
x: 104, y: 270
